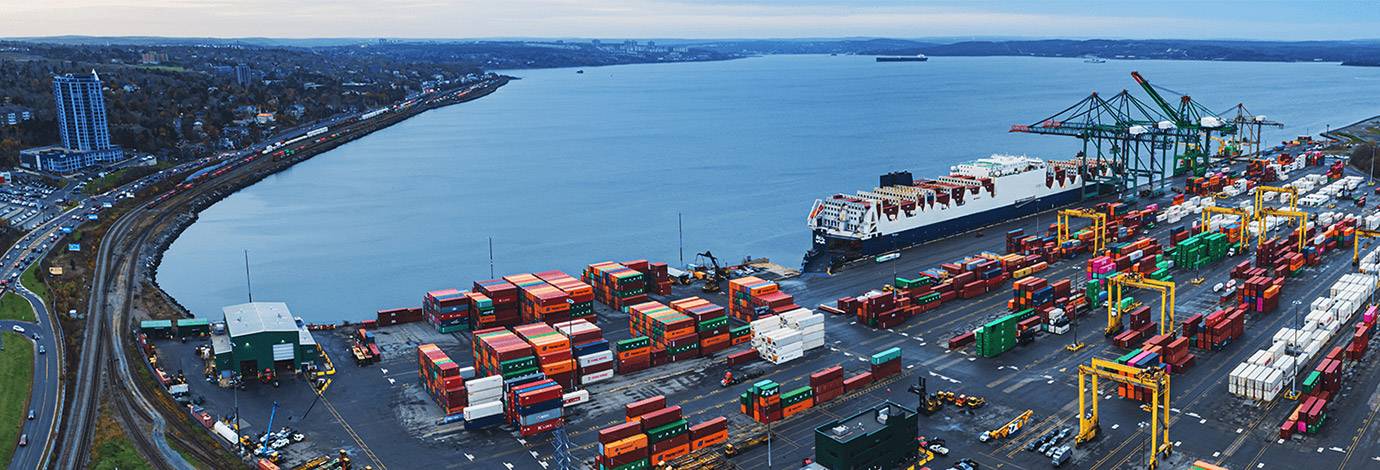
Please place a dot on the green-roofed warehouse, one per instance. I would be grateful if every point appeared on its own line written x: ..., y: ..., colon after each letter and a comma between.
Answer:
x: 262, y: 335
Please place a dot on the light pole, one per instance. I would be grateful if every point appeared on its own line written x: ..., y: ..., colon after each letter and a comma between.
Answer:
x: 1294, y: 383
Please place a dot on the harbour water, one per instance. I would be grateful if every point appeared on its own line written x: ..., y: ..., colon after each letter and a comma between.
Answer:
x: 562, y: 169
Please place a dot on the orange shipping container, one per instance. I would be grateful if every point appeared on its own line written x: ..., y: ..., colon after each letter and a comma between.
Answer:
x: 671, y: 454
x: 712, y: 439
x: 632, y: 444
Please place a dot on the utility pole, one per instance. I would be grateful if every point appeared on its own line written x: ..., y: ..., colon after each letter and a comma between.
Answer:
x: 249, y: 287
x: 491, y: 257
x: 1372, y: 163
x: 680, y: 235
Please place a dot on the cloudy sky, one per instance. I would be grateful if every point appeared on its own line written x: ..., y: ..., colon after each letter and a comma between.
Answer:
x: 1258, y: 19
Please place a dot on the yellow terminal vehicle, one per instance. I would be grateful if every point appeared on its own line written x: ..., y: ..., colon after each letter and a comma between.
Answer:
x: 1010, y: 428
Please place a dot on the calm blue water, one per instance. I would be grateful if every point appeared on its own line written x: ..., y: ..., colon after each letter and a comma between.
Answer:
x: 564, y: 169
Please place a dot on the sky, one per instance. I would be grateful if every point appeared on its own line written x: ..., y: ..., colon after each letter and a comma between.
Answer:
x: 693, y: 19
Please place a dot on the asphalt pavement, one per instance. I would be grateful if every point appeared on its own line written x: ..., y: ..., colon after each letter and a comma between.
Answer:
x: 44, y: 399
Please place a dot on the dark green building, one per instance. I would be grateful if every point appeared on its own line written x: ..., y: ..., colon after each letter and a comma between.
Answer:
x: 881, y: 437
x: 262, y: 335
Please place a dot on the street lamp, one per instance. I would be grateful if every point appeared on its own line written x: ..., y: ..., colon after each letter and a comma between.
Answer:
x: 1294, y: 382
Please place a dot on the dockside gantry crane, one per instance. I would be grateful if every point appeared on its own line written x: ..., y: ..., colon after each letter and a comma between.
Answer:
x: 1249, y: 129
x: 1196, y: 120
x: 1155, y: 379
x: 1099, y: 227
x: 1300, y: 216
x: 1117, y: 283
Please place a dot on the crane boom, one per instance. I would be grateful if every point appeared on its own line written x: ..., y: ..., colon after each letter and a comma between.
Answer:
x: 1159, y: 100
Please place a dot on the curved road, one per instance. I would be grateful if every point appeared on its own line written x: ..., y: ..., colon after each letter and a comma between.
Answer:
x: 44, y: 397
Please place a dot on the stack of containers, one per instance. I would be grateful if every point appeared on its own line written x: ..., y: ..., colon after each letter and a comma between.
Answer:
x: 535, y: 407
x: 749, y: 297
x: 886, y: 363
x: 505, y: 299
x: 739, y: 335
x: 623, y: 447
x: 581, y: 294
x: 658, y: 277
x: 1216, y: 330
x: 554, y: 356
x: 633, y: 354
x: 448, y: 310
x: 616, y: 285
x: 398, y: 316
x: 481, y: 311
x: 1260, y: 294
x: 592, y: 355
x: 808, y: 323
x: 876, y: 309
x: 545, y: 303
x: 796, y: 401
x: 709, y: 433
x: 441, y: 378
x: 537, y: 299
x: 776, y: 344
x: 498, y: 351
x: 668, y: 433
x: 1262, y: 376
x: 827, y: 384
x: 999, y: 336
x: 667, y: 328
x: 485, y: 409
x: 711, y: 323
x: 1030, y: 292
x: 762, y: 401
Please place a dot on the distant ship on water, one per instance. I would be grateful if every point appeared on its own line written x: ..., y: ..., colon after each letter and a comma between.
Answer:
x: 903, y: 58
x: 1094, y: 60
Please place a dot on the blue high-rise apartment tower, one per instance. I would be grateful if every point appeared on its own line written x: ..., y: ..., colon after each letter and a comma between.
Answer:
x: 82, y: 124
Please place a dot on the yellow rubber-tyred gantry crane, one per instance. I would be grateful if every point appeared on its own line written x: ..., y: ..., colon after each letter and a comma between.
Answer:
x: 1361, y: 234
x: 1099, y: 227
x: 1261, y: 191
x: 1245, y: 220
x: 1301, y: 217
x: 1154, y: 379
x: 1117, y: 283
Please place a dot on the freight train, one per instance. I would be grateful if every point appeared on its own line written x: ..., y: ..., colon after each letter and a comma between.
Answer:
x: 294, y: 143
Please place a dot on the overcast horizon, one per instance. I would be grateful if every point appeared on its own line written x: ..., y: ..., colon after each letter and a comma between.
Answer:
x: 692, y: 20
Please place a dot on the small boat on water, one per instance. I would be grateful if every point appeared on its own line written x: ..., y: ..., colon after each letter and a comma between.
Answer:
x: 1094, y: 60
x: 580, y: 71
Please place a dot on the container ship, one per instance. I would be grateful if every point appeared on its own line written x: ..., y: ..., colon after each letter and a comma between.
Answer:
x: 902, y: 211
x: 903, y: 58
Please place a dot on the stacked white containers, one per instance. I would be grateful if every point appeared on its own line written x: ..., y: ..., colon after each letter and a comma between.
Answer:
x: 786, y: 337
x: 1370, y: 263
x: 485, y: 397
x: 1270, y: 370
x: 810, y: 325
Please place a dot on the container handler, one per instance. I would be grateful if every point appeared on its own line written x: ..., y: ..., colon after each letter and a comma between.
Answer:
x: 1010, y: 428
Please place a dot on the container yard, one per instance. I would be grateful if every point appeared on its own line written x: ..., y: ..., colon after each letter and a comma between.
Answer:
x: 501, y: 368
x: 1225, y: 323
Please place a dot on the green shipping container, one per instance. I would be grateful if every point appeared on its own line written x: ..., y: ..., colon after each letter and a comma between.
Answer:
x: 639, y: 464
x: 739, y: 332
x: 516, y: 364
x: 633, y: 343
x: 664, y: 432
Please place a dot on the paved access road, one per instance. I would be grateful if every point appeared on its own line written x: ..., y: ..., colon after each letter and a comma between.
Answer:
x: 44, y: 399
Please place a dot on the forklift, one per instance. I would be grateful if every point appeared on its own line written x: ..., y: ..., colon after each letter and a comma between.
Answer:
x: 929, y: 403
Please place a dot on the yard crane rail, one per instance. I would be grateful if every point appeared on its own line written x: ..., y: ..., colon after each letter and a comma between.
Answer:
x: 1209, y: 210
x: 1301, y: 216
x: 1099, y: 227
x: 1356, y: 245
x: 1117, y: 283
x: 1153, y: 378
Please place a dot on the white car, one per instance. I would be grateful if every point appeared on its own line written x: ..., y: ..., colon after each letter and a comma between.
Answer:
x: 17, y: 329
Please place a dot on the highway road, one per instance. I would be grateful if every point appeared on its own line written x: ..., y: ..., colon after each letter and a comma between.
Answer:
x: 46, y: 390
x: 47, y: 393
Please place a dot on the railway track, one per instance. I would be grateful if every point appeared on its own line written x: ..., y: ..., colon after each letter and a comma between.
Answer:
x: 104, y: 370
